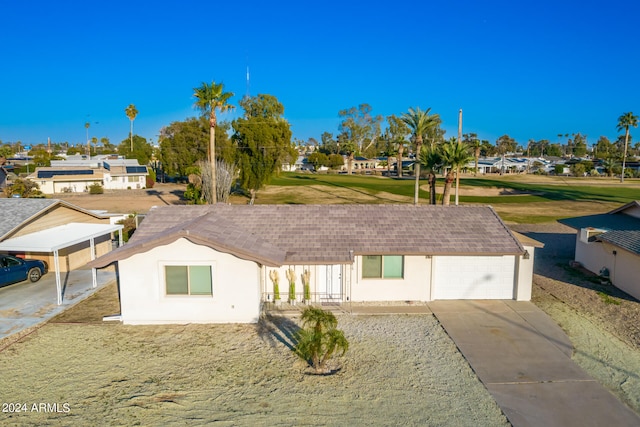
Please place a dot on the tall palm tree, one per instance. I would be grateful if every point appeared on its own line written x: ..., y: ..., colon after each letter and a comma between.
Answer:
x: 131, y: 112
x: 209, y: 98
x: 420, y: 122
x: 431, y: 158
x: 399, y: 161
x: 475, y: 145
x: 455, y: 155
x: 86, y: 126
x: 626, y: 121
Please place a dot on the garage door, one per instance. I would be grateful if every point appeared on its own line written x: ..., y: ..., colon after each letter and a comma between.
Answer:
x: 473, y: 277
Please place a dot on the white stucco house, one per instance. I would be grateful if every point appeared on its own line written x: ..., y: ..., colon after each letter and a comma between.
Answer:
x: 609, y: 245
x: 210, y: 264
x: 78, y: 174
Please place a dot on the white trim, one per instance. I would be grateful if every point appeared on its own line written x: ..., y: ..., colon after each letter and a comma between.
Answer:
x: 59, y: 237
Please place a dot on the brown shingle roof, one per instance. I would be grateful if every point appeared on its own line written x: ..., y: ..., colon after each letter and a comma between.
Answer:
x: 319, y: 234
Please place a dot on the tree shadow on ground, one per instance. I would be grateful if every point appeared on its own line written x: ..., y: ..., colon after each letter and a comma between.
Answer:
x: 157, y: 194
x: 278, y: 329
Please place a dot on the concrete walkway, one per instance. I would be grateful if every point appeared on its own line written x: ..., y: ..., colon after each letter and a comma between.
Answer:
x: 524, y: 360
x: 26, y: 304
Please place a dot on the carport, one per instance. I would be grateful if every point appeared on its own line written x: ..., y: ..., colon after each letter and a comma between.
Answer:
x: 54, y: 239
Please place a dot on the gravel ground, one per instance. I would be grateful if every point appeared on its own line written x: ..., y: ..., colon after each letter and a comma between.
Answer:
x: 399, y: 370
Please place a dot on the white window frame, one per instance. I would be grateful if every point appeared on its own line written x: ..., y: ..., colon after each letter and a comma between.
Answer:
x: 163, y: 278
x: 382, y: 275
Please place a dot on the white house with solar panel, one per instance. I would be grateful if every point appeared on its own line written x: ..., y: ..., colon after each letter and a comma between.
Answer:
x: 76, y: 175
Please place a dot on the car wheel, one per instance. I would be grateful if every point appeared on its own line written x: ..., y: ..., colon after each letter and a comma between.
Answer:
x: 35, y: 274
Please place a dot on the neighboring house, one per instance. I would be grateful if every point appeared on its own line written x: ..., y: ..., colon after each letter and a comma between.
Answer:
x: 299, y: 163
x: 362, y: 163
x: 77, y: 175
x: 609, y: 245
x: 209, y: 264
x: 65, y: 236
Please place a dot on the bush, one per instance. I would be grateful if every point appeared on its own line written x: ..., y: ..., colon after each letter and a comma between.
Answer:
x: 320, y: 339
x: 96, y: 188
x: 151, y: 178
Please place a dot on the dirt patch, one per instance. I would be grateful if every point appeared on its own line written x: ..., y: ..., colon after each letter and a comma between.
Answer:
x: 325, y: 194
x: 492, y: 191
x: 128, y: 201
x: 104, y: 302
x: 399, y: 370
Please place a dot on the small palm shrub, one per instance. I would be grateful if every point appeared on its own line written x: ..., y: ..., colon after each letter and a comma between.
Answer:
x: 305, y: 285
x: 291, y: 277
x: 319, y: 339
x: 275, y: 278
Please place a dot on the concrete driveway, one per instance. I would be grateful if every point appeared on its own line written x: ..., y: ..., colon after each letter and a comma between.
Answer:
x: 524, y: 360
x: 27, y: 304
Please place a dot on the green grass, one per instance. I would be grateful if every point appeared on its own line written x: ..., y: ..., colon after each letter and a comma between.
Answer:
x: 562, y: 189
x: 522, y: 199
x: 607, y: 299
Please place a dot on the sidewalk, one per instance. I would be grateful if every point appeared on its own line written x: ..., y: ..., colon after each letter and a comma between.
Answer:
x: 26, y: 304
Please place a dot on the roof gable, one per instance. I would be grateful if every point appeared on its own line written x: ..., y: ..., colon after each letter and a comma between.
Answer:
x: 631, y: 209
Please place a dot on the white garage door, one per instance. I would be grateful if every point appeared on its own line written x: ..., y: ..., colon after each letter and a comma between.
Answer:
x: 473, y: 277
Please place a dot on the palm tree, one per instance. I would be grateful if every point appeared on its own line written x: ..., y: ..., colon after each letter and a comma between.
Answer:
x: 455, y: 155
x: 319, y: 339
x: 472, y: 140
x: 399, y: 161
x: 209, y: 98
x: 86, y: 126
x: 131, y: 112
x: 420, y: 123
x: 609, y: 164
x: 431, y: 159
x: 626, y: 121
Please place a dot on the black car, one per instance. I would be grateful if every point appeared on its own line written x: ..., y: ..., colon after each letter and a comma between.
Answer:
x: 13, y: 269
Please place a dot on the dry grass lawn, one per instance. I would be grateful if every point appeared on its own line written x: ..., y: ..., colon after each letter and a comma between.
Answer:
x: 399, y: 370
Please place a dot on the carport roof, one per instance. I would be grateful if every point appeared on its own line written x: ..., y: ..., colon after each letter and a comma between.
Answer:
x: 58, y: 237
x: 16, y: 212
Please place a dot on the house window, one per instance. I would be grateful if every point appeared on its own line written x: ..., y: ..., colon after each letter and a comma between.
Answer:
x: 382, y: 267
x: 188, y: 280
x: 133, y: 178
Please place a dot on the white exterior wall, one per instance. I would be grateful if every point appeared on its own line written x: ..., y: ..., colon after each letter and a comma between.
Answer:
x: 525, y: 275
x: 624, y: 266
x: 122, y: 182
x: 592, y: 255
x: 625, y: 272
x: 415, y: 286
x: 57, y: 187
x: 236, y: 287
x: 474, y: 277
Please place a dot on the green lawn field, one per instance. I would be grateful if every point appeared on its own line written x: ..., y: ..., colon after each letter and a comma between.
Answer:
x: 517, y: 198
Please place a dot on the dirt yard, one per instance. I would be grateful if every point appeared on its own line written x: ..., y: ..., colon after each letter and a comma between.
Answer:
x: 399, y: 370
x: 128, y: 201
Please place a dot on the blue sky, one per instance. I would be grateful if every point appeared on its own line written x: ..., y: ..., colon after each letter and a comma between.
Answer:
x: 526, y: 69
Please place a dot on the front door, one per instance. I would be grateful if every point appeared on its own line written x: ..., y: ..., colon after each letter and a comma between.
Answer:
x: 330, y: 282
